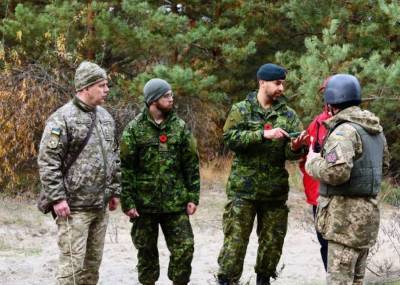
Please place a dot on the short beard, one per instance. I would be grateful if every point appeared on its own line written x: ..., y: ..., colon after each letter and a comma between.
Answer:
x: 164, y: 110
x: 273, y: 98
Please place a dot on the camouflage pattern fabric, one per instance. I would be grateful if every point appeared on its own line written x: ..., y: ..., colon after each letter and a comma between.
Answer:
x: 94, y: 177
x: 87, y: 74
x: 351, y: 221
x: 343, y: 261
x: 238, y: 223
x: 344, y: 145
x: 257, y: 183
x: 350, y: 224
x: 179, y: 238
x: 160, y: 166
x: 85, y: 232
x: 258, y: 169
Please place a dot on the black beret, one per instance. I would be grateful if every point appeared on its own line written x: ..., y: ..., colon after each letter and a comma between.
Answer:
x: 271, y: 72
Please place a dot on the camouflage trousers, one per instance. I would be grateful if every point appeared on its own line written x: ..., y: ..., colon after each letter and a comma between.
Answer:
x: 346, y: 265
x: 179, y: 238
x: 238, y: 221
x: 81, y: 242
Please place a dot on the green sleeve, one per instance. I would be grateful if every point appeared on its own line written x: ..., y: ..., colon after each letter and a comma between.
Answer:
x: 128, y: 161
x: 235, y: 136
x: 295, y: 125
x: 190, y: 166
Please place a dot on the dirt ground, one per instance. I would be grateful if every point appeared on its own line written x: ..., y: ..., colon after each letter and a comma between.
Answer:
x: 28, y: 249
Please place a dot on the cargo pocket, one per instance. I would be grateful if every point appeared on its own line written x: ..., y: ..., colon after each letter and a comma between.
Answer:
x: 346, y: 258
x: 107, y: 129
x: 147, y: 194
x: 321, y: 218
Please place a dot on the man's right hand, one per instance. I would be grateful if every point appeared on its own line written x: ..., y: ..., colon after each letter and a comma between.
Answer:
x: 62, y: 209
x: 132, y: 213
x: 276, y: 133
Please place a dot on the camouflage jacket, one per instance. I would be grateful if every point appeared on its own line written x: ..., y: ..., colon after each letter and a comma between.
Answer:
x: 94, y: 177
x: 258, y: 169
x: 160, y: 166
x: 352, y: 221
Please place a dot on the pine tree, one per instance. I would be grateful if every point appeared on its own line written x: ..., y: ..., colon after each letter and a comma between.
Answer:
x: 208, y: 50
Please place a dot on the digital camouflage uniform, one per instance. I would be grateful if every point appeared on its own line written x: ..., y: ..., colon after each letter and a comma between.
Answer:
x: 91, y: 180
x: 258, y: 185
x: 160, y: 176
x: 349, y: 223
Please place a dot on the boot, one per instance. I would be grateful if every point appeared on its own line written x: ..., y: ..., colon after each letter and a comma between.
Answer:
x: 223, y: 282
x: 262, y: 280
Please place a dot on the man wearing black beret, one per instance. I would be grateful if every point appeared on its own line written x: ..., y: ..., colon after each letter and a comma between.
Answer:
x: 258, y: 131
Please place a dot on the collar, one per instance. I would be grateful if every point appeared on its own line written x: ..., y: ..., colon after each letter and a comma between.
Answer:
x: 82, y: 106
x: 147, y: 116
x: 342, y: 115
x: 277, y: 104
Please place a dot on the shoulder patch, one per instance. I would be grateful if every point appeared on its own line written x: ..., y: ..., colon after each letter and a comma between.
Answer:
x: 56, y: 131
x: 332, y: 156
x: 54, y: 138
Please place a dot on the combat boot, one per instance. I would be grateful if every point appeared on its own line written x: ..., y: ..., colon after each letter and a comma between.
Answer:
x: 223, y: 282
x: 262, y: 280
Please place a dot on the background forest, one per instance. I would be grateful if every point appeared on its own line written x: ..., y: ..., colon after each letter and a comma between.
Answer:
x: 208, y: 50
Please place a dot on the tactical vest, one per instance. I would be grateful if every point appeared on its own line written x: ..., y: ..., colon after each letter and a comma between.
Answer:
x: 366, y: 175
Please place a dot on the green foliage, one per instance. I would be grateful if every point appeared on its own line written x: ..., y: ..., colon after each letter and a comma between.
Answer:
x: 184, y: 81
x: 209, y: 51
x: 358, y: 37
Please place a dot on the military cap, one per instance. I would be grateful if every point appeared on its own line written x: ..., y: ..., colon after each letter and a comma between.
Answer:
x: 271, y: 72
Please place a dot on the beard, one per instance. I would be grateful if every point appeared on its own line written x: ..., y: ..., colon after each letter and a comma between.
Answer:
x: 165, y: 109
x: 274, y: 96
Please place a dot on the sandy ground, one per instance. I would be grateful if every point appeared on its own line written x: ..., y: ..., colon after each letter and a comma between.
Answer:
x: 28, y: 249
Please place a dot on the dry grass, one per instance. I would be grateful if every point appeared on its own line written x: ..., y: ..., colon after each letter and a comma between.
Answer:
x: 295, y: 178
x: 216, y: 172
x: 390, y: 193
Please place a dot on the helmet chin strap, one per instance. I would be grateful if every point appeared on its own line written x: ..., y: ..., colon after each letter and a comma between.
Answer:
x: 332, y: 110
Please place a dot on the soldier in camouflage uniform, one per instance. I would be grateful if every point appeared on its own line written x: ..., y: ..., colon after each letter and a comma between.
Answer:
x: 350, y: 171
x: 79, y: 195
x: 160, y: 184
x: 257, y: 131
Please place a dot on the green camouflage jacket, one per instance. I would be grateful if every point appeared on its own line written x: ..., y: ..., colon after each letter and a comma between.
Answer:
x: 258, y: 169
x: 94, y: 177
x: 352, y: 221
x: 160, y: 165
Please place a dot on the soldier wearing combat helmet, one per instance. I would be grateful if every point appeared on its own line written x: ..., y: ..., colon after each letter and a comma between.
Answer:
x: 349, y: 168
x: 79, y: 170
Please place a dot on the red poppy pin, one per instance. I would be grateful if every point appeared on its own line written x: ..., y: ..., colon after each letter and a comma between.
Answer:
x: 267, y: 127
x: 163, y: 138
